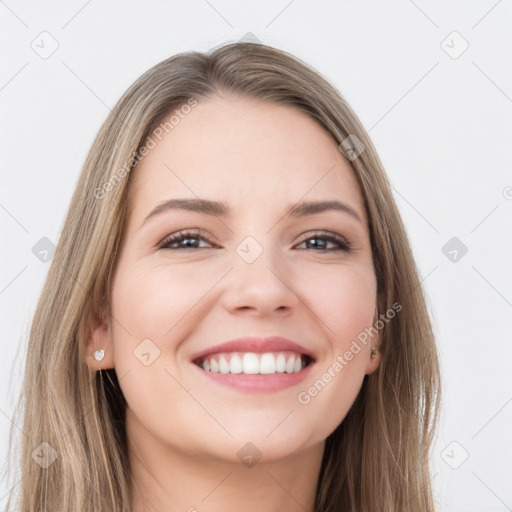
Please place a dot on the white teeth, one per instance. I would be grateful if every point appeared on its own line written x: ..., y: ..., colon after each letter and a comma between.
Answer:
x: 214, y: 366
x: 223, y: 365
x: 235, y: 365
x: 267, y: 364
x: 280, y: 363
x: 251, y: 363
x: 290, y: 364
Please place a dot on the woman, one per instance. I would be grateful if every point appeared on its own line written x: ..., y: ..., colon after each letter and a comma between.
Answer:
x: 233, y: 318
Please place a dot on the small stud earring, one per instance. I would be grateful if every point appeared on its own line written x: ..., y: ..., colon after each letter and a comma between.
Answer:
x: 374, y: 351
x: 98, y: 355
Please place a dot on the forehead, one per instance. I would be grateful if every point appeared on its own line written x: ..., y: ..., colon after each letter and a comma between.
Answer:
x: 246, y: 153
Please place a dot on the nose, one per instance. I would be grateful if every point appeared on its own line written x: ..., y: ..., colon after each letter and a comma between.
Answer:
x: 262, y: 286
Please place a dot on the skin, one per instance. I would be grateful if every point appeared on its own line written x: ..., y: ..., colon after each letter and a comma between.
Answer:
x: 184, y: 431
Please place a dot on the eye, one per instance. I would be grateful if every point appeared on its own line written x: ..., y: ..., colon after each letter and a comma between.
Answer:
x: 188, y: 237
x: 341, y: 242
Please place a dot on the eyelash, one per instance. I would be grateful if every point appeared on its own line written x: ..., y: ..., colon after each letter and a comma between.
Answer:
x: 343, y: 244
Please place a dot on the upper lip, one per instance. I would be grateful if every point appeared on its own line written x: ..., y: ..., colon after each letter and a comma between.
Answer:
x: 253, y: 344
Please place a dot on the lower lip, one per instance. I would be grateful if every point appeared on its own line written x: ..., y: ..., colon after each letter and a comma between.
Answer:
x: 257, y: 383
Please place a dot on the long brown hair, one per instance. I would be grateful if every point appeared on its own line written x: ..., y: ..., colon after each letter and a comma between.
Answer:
x: 376, y: 460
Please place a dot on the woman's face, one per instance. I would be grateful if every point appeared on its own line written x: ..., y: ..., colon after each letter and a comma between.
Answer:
x: 255, y: 272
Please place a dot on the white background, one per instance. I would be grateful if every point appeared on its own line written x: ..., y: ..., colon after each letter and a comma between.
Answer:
x: 442, y: 126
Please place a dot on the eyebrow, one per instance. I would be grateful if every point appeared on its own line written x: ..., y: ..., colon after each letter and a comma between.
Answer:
x: 220, y: 209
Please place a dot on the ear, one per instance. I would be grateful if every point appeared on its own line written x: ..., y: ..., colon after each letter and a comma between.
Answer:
x: 100, y: 337
x: 372, y: 363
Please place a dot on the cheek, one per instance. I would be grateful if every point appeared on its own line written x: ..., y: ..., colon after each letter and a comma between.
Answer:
x: 343, y: 298
x: 153, y: 308
x: 161, y: 301
x: 157, y: 302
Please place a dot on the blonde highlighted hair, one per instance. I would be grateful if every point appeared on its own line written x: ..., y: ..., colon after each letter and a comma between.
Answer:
x: 376, y: 460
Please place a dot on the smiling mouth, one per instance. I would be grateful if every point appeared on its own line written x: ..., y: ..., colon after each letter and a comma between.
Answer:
x: 253, y: 363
